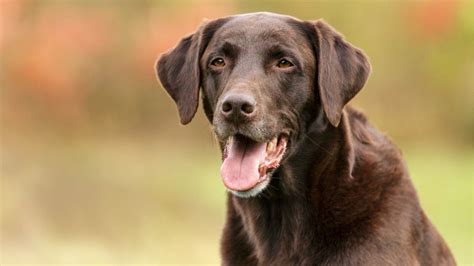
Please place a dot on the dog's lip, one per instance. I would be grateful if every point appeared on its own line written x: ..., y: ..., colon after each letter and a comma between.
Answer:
x: 275, y: 152
x: 248, y: 164
x: 277, y: 139
x: 226, y: 138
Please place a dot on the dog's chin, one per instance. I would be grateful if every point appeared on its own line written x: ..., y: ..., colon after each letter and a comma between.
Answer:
x: 248, y: 164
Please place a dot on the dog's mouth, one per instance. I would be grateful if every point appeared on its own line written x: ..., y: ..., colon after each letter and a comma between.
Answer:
x: 247, y: 164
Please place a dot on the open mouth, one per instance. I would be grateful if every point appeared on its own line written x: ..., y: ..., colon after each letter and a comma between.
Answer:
x: 247, y: 164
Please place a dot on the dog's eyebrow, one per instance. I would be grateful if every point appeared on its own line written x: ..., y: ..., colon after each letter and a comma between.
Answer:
x: 277, y: 51
x: 228, y: 49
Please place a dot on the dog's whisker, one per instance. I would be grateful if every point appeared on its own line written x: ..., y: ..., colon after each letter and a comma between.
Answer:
x: 317, y: 144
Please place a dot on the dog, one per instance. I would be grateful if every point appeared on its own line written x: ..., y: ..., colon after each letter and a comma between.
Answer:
x: 310, y: 181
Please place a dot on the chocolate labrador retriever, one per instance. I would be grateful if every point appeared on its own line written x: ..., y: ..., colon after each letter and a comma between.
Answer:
x: 310, y: 181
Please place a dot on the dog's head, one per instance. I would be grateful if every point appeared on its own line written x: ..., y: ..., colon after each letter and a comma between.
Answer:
x: 264, y: 79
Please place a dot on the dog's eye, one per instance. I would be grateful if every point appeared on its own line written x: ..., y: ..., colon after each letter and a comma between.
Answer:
x: 284, y: 64
x: 218, y: 62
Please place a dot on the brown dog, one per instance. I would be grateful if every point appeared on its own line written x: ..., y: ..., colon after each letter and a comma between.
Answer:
x: 311, y: 182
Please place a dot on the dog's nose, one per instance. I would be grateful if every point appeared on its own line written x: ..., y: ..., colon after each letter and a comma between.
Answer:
x: 238, y: 107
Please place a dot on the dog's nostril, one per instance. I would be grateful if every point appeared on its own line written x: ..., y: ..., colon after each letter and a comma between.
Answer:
x: 247, y: 108
x: 226, y: 107
x: 236, y: 107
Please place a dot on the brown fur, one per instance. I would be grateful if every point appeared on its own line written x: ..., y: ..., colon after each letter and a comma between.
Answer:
x: 342, y: 195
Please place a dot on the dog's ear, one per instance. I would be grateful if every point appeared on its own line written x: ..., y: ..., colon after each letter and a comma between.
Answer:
x: 342, y: 69
x: 179, y: 72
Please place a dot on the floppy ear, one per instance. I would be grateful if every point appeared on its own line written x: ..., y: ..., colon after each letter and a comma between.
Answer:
x: 342, y: 70
x: 179, y: 72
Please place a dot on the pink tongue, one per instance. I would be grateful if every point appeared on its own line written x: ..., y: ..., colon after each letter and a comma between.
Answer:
x: 239, y: 171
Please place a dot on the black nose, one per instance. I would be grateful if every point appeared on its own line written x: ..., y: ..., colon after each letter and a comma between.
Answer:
x: 238, y: 107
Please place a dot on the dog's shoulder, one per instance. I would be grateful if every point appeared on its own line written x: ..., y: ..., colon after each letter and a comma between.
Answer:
x: 362, y: 130
x: 368, y: 139
x: 376, y: 157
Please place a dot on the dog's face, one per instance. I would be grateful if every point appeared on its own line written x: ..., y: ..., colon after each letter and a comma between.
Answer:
x: 264, y: 78
x: 258, y: 75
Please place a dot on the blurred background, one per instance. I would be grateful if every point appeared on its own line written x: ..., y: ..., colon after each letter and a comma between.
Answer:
x: 95, y: 167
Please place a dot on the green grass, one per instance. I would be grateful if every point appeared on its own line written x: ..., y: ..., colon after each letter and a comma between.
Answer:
x: 139, y: 201
x: 445, y: 184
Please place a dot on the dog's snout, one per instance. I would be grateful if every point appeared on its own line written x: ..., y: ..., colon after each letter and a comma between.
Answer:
x: 237, y: 107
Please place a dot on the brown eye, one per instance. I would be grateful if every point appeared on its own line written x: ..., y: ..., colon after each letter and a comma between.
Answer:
x: 284, y: 64
x: 218, y: 62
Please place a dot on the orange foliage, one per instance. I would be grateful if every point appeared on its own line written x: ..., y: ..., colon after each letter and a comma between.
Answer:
x: 49, y: 53
x: 162, y: 30
x: 432, y: 20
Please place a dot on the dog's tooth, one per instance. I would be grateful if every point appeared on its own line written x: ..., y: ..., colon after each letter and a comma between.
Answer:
x: 274, y: 142
x: 270, y: 146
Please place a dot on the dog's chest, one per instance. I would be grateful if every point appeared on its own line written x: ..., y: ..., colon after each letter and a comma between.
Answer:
x: 278, y: 230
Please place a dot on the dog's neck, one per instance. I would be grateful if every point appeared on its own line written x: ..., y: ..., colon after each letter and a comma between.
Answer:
x: 327, y: 149
x: 282, y: 209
